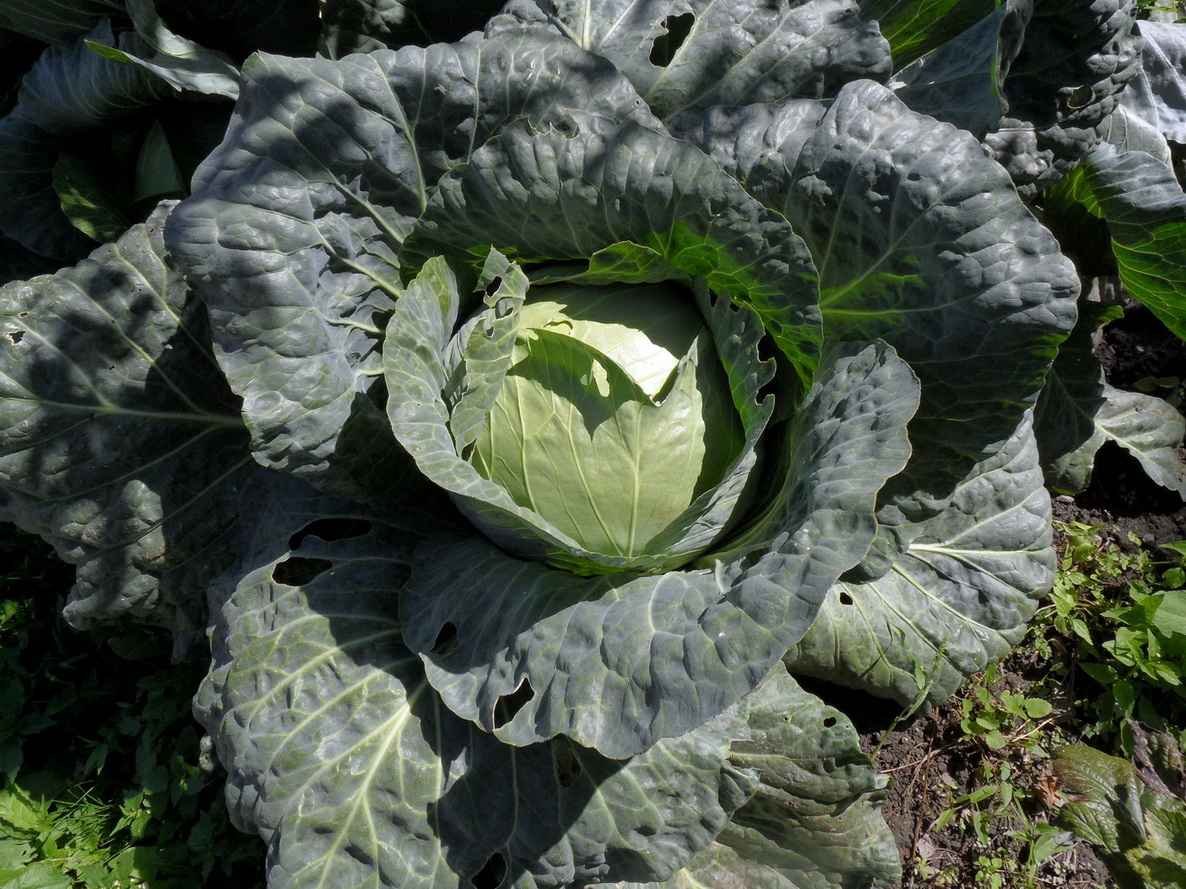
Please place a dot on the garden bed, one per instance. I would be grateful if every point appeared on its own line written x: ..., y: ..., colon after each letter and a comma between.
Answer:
x: 949, y: 783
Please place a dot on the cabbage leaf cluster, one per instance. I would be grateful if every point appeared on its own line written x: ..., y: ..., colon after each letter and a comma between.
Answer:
x: 516, y: 416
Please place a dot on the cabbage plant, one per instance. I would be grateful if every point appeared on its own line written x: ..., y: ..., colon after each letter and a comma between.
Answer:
x: 516, y: 417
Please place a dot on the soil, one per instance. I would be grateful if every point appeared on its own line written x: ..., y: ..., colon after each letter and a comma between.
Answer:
x: 934, y: 763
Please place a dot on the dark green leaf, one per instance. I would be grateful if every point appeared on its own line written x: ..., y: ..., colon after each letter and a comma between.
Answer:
x: 119, y: 442
x: 91, y: 196
x: 685, y: 55
x: 60, y: 22
x: 346, y: 760
x: 1158, y: 92
x: 957, y: 594
x: 914, y: 28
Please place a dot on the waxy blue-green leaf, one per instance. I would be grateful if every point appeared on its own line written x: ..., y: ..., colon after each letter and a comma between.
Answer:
x: 960, y: 586
x: 1128, y: 131
x: 61, y: 22
x: 915, y: 28
x: 72, y: 89
x: 346, y: 763
x: 961, y: 80
x: 292, y: 232
x: 1139, y: 199
x: 31, y: 212
x: 172, y: 59
x: 1078, y: 412
x: 918, y: 239
x: 1069, y: 75
x: 1145, y: 208
x: 690, y: 54
x: 586, y: 183
x: 1158, y: 92
x: 814, y: 822
x: 119, y: 442
x: 664, y: 653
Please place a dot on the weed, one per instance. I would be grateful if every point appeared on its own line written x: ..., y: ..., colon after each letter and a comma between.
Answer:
x: 1171, y: 389
x: 1004, y: 718
x: 1121, y: 616
x: 1013, y: 857
x: 104, y: 784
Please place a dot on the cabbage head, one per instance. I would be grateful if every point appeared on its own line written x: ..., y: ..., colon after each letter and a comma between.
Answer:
x: 515, y: 425
x: 614, y: 417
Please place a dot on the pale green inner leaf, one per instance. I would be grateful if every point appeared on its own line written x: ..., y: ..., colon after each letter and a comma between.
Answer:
x: 609, y: 429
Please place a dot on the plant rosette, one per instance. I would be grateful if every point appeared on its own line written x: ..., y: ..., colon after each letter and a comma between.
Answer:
x: 539, y: 447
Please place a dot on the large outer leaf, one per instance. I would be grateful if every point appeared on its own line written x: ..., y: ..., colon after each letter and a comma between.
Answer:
x: 1158, y: 92
x: 960, y: 586
x: 915, y: 28
x: 181, y: 63
x: 587, y: 184
x: 814, y: 822
x: 31, y: 212
x: 1128, y: 131
x: 1078, y: 412
x: 664, y: 653
x: 691, y: 54
x: 118, y: 439
x: 364, y: 25
x: 293, y: 227
x: 343, y: 759
x: 920, y: 240
x: 1145, y: 208
x: 1067, y: 78
x: 58, y: 22
x: 71, y: 89
x: 962, y: 80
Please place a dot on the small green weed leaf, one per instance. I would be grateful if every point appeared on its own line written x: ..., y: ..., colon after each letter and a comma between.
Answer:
x: 22, y: 812
x: 807, y: 50
x: 1101, y: 673
x: 1036, y: 708
x: 1050, y: 841
x: 1126, y: 695
x: 41, y: 875
x: 1170, y: 616
x: 14, y: 857
x: 1012, y: 702
x: 996, y: 740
